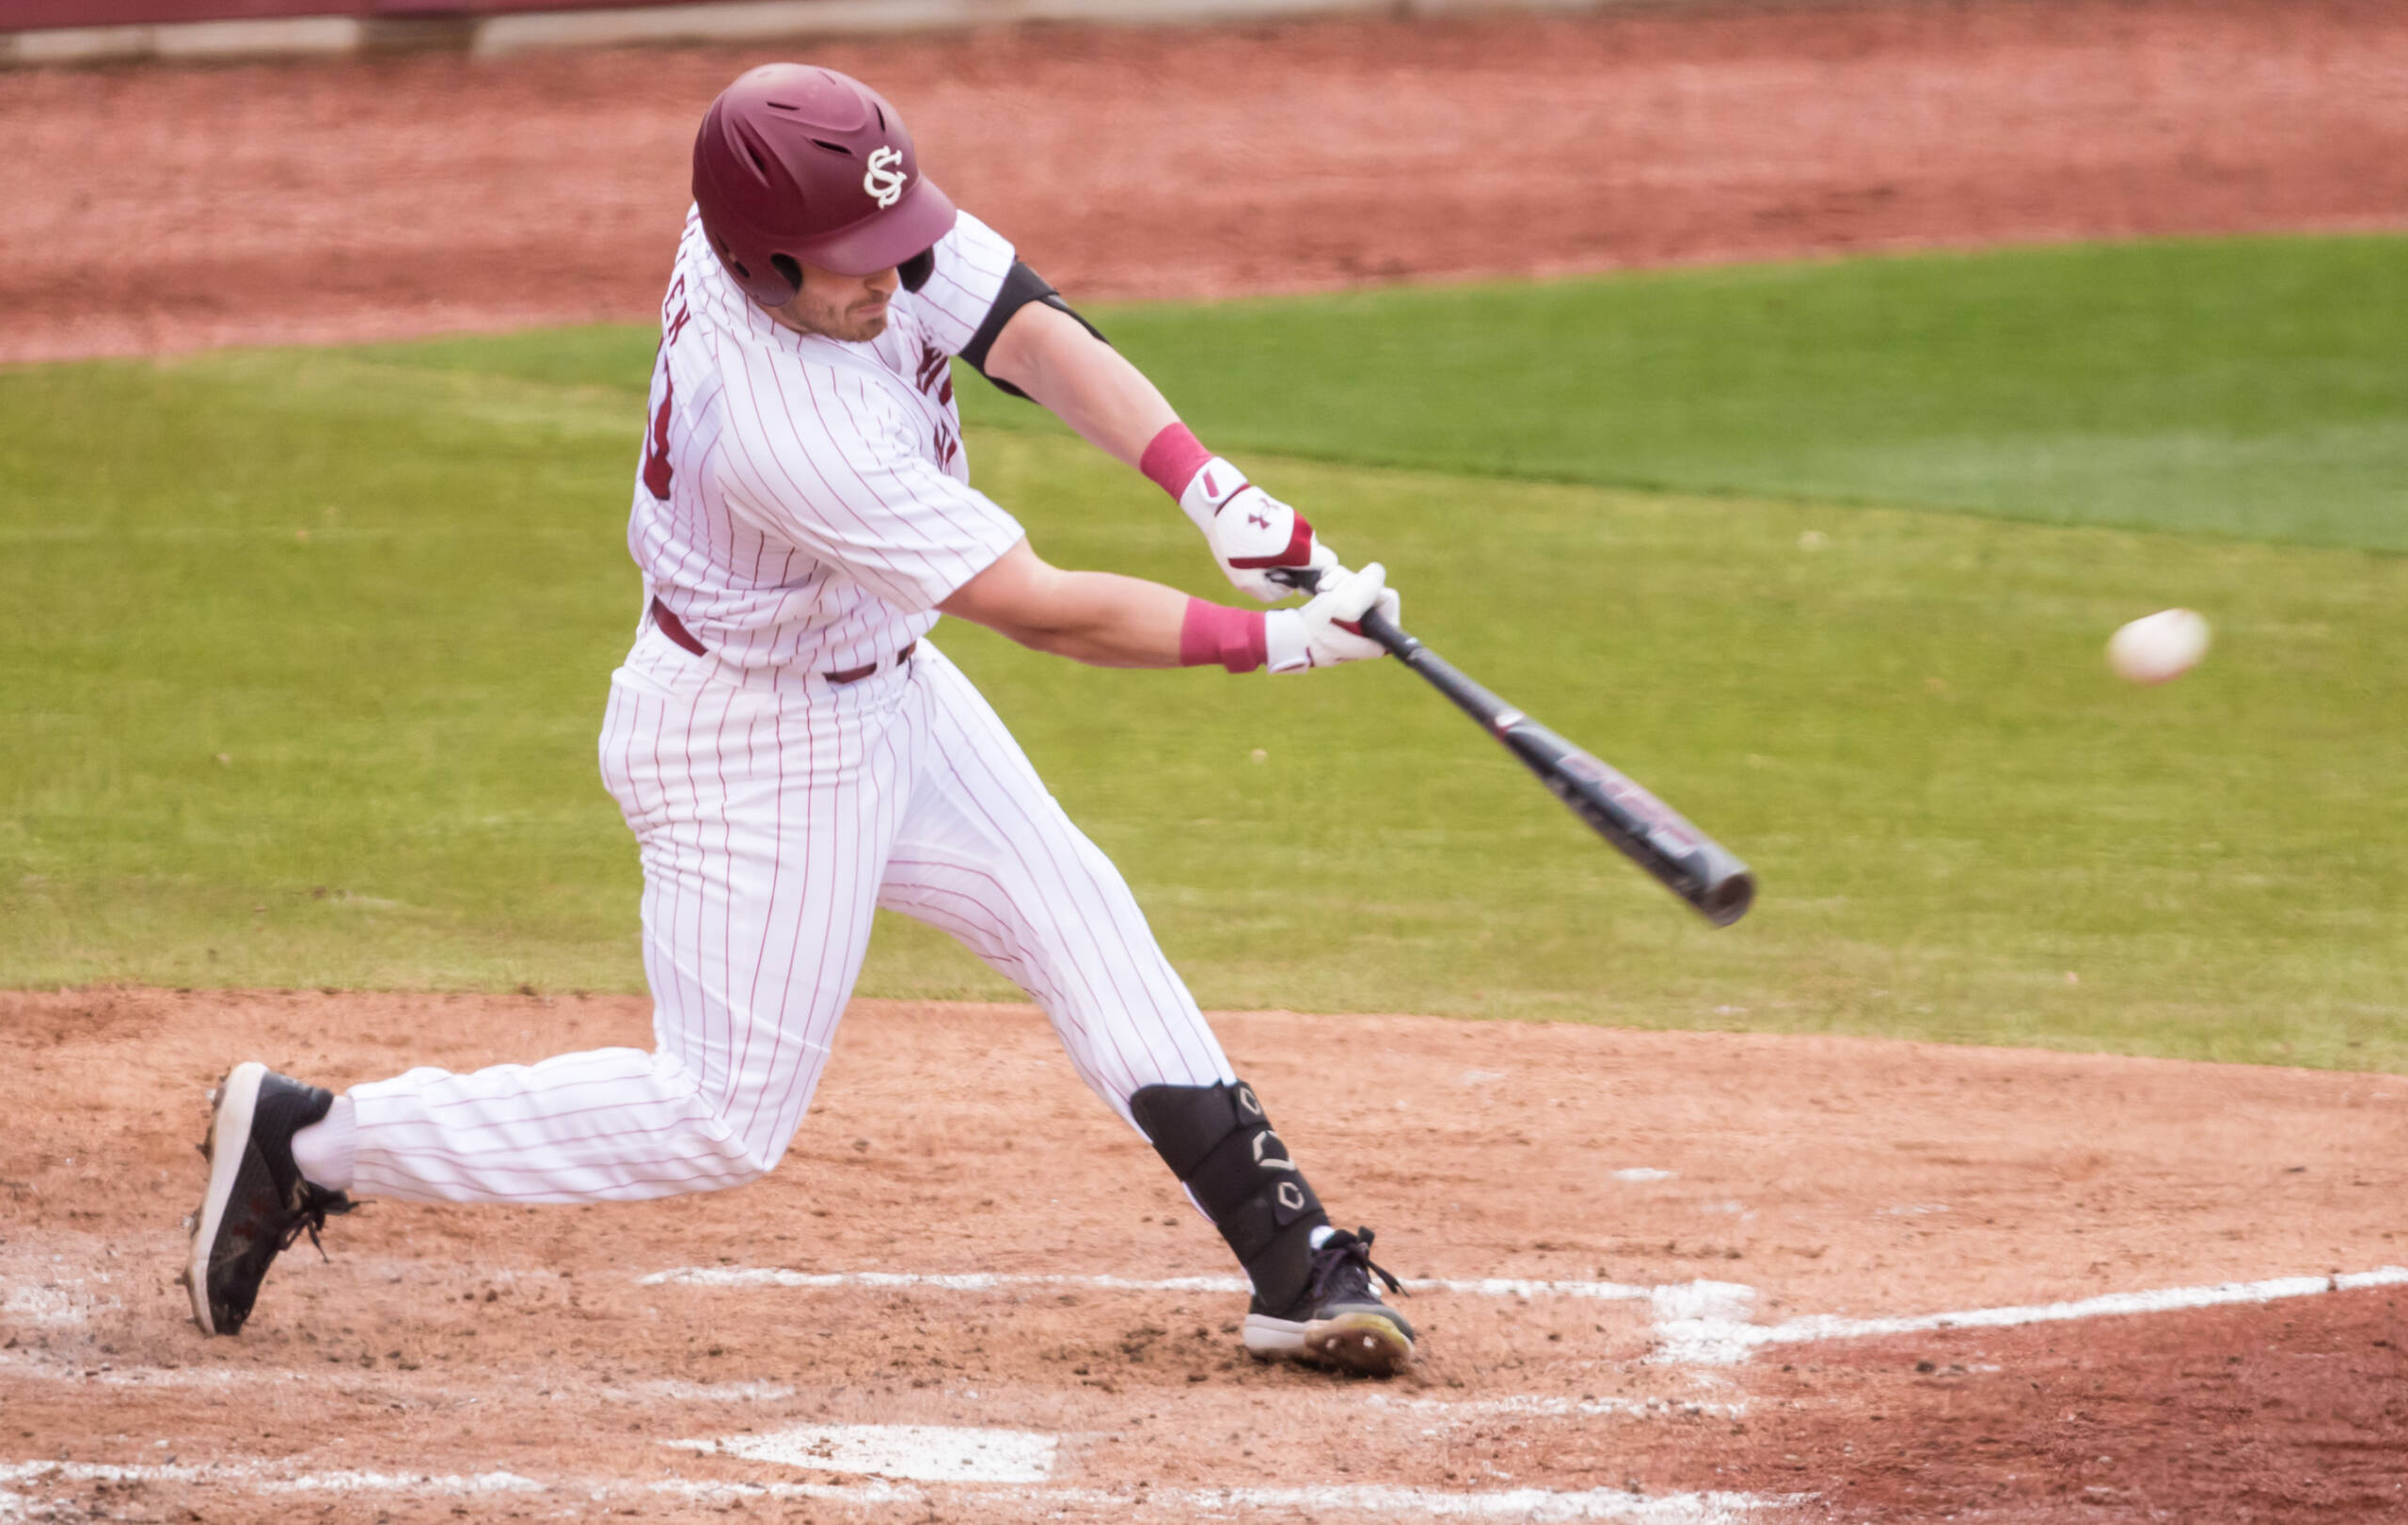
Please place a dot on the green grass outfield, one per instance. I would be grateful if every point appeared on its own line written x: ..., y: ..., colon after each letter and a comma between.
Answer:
x: 304, y: 653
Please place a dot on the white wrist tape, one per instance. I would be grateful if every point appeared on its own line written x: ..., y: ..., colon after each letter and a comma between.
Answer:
x: 1287, y: 645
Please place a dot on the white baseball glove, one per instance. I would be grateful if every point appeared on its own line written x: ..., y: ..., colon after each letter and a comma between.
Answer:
x: 1324, y: 632
x: 1251, y: 534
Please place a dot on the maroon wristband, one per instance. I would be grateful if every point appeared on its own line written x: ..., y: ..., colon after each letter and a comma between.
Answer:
x: 1217, y: 633
x: 1173, y: 458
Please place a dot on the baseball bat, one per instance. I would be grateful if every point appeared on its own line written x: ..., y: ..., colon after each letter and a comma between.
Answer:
x: 1642, y: 827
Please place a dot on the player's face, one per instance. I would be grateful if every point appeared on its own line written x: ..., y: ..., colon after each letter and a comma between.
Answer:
x: 851, y: 308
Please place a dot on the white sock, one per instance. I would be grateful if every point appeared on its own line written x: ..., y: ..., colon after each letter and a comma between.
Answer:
x: 1320, y: 1235
x: 325, y: 1149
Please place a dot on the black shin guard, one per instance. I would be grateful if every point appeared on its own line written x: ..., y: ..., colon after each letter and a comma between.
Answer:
x: 1217, y: 1141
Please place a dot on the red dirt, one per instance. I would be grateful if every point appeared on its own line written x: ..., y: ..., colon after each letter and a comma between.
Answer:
x: 1832, y: 1175
x: 2296, y: 1412
x: 156, y: 207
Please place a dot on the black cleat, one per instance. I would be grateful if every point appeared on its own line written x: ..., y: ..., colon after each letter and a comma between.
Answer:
x: 258, y: 1204
x: 1340, y: 1321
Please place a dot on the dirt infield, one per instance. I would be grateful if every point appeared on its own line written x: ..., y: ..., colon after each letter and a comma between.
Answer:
x: 1672, y: 1205
x: 160, y: 208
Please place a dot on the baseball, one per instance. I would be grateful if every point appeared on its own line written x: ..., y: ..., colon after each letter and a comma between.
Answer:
x: 2160, y: 647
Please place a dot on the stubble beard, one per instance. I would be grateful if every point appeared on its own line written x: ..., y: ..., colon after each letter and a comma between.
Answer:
x: 843, y: 324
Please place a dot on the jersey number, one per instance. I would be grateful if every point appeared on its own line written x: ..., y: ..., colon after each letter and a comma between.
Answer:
x: 656, y: 472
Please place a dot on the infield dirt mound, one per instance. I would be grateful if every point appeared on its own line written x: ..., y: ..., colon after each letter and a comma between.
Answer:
x: 159, y: 208
x: 515, y: 1361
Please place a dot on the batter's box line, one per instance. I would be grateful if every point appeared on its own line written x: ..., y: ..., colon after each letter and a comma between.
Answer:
x: 1695, y: 1323
x: 873, y: 1495
x: 1682, y: 1293
x: 1715, y: 1338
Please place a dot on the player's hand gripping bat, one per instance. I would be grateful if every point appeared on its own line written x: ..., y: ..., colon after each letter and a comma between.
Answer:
x: 1648, y: 832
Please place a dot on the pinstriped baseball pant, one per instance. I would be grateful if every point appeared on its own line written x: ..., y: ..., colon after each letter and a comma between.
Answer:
x: 773, y: 812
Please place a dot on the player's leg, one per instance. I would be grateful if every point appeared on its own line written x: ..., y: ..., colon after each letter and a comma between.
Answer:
x: 762, y: 812
x: 762, y: 822
x: 986, y: 853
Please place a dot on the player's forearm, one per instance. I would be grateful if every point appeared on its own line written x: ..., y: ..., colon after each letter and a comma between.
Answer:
x: 1082, y: 380
x: 1106, y: 619
x: 1110, y: 621
x: 1094, y: 617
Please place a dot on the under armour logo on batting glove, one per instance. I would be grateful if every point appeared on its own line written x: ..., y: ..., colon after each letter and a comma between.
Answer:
x: 1251, y: 534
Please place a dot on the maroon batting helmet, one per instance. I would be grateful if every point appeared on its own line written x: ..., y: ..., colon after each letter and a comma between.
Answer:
x: 796, y: 164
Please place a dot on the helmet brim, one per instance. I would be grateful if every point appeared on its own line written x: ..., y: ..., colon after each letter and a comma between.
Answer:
x: 911, y: 225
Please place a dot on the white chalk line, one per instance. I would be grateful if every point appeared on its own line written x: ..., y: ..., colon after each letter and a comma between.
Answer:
x: 1700, y: 1330
x: 39, y: 1294
x: 771, y: 1275
x: 388, y: 1387
x: 346, y: 1381
x: 915, y: 1452
x: 1380, y: 1502
x: 1509, y: 1503
x: 254, y: 1477
x: 1719, y: 1340
x: 1696, y: 1323
x: 47, y: 1306
x: 1463, y: 1410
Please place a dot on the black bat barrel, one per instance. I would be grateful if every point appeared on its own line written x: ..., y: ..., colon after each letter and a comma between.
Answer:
x: 1644, y: 829
x: 1649, y: 832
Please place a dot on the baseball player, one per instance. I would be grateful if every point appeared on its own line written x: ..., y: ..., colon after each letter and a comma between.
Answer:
x: 792, y: 751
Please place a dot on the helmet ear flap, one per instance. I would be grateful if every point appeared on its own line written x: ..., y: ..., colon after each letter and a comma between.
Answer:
x: 788, y: 271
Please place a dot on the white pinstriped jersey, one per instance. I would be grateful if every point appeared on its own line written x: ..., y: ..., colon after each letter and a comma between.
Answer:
x: 802, y: 502
x: 802, y: 505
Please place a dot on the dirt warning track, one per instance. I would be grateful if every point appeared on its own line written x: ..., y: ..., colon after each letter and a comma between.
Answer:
x: 1653, y: 1272
x: 156, y: 207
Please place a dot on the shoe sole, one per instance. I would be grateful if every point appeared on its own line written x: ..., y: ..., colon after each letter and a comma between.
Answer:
x: 1365, y: 1343
x: 229, y: 1140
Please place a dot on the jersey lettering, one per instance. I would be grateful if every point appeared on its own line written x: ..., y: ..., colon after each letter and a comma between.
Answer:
x: 934, y: 365
x: 675, y: 321
x: 658, y: 472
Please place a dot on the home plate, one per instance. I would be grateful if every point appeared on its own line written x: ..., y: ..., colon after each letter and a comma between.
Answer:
x: 921, y: 1452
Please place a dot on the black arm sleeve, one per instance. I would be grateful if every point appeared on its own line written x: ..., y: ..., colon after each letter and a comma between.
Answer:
x: 1022, y: 287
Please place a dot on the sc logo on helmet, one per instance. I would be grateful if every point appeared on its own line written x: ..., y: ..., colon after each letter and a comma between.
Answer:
x: 884, y: 182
